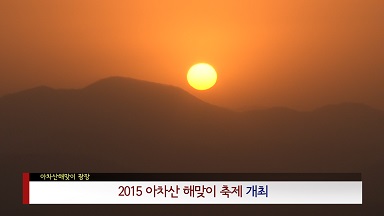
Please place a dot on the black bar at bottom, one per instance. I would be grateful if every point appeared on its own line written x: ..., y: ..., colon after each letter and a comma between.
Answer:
x: 195, y: 176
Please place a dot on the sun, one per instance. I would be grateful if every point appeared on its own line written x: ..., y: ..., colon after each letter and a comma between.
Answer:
x: 202, y: 76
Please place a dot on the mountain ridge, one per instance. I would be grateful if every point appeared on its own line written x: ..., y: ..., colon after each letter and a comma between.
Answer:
x: 115, y: 84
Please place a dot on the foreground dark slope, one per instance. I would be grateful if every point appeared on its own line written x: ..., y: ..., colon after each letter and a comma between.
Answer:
x: 126, y: 125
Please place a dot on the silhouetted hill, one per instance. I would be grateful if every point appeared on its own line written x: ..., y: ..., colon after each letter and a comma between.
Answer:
x: 143, y: 93
x: 126, y: 125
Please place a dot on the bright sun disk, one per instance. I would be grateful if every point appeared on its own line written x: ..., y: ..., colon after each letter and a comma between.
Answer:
x: 202, y: 76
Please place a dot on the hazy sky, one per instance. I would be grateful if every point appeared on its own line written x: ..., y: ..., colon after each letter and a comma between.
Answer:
x: 298, y: 53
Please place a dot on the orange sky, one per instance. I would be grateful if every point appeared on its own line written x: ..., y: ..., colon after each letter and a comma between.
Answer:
x: 298, y: 53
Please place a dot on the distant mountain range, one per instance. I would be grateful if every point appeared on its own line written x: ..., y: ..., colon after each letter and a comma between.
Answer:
x: 126, y: 125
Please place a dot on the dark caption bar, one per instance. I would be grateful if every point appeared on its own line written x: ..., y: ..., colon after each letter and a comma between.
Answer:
x: 195, y: 177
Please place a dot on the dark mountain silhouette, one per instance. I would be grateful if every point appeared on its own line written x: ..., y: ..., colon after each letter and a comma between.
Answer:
x: 126, y: 125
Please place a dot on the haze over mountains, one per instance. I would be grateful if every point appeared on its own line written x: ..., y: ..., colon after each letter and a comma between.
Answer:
x: 126, y: 125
